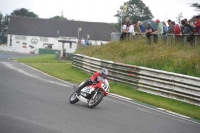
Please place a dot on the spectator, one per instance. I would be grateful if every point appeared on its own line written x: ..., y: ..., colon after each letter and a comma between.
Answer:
x: 87, y: 43
x: 127, y: 22
x: 124, y: 32
x: 150, y: 30
x: 186, y: 21
x: 131, y: 31
x: 159, y: 31
x: 164, y: 29
x: 176, y: 28
x: 176, y: 31
x: 186, y: 29
x: 136, y: 28
x: 197, y: 25
x: 141, y: 26
x: 170, y: 27
x: 83, y: 41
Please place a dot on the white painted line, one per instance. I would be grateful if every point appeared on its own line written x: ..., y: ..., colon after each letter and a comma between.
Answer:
x: 34, y: 76
x: 164, y: 112
x: 47, y: 74
x: 177, y: 114
x: 161, y: 109
x: 116, y: 95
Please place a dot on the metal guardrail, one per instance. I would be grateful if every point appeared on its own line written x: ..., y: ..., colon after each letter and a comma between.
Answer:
x: 171, y: 85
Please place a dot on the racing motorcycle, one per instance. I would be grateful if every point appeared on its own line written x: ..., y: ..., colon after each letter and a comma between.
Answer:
x: 91, y: 95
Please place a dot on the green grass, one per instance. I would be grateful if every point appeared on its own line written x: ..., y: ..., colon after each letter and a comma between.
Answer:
x: 64, y: 70
x: 49, y: 58
x: 179, y: 58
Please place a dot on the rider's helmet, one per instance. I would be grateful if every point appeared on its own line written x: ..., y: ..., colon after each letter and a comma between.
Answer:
x: 104, y: 73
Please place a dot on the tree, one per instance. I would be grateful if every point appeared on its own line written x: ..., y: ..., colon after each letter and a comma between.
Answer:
x: 180, y: 16
x: 59, y: 17
x: 117, y: 26
x: 24, y: 13
x: 4, y: 23
x: 1, y: 19
x: 136, y: 11
x: 196, y: 5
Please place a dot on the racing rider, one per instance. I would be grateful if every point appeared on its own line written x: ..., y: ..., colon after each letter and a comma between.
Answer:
x: 103, y: 74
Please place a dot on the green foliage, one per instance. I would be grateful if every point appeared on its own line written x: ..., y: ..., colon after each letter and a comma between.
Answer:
x: 24, y: 13
x: 179, y: 17
x: 58, y: 17
x: 41, y: 59
x: 117, y: 26
x: 1, y: 19
x: 196, y: 5
x: 136, y: 11
x: 179, y: 58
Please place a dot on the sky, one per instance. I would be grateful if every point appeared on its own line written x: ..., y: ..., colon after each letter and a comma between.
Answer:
x: 98, y: 10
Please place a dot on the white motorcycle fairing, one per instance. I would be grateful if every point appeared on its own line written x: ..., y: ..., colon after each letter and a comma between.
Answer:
x: 86, y: 90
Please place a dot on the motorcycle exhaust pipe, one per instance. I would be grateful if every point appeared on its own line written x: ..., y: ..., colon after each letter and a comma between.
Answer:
x: 82, y: 99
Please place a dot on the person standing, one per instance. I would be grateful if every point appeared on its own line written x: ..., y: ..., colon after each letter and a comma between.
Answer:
x: 124, y: 32
x: 197, y: 25
x: 127, y: 22
x: 176, y: 31
x: 186, y: 30
x: 164, y: 29
x: 150, y: 30
x: 141, y: 26
x: 159, y: 31
x: 159, y: 28
x: 130, y: 31
x: 170, y: 27
x: 136, y: 28
x: 82, y: 41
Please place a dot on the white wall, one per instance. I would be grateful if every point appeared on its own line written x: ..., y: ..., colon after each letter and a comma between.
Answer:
x: 17, y: 43
x: 97, y: 42
x: 18, y: 40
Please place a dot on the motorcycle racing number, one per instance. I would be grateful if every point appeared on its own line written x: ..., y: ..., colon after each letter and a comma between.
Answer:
x: 104, y: 86
x: 87, y: 90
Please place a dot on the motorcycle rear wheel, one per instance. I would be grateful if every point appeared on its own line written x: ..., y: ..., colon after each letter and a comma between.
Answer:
x: 95, y: 101
x: 73, y: 99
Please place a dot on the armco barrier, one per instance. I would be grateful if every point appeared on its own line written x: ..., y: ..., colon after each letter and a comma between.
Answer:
x: 167, y: 84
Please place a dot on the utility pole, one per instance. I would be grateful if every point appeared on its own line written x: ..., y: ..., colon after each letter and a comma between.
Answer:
x: 62, y: 13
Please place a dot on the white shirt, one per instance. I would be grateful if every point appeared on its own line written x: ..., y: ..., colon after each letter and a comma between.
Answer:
x: 124, y: 27
x: 83, y: 41
x: 131, y: 30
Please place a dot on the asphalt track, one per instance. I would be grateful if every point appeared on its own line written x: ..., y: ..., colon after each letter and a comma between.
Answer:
x: 32, y: 102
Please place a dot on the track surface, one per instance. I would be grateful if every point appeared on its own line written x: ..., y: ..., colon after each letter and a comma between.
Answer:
x: 32, y: 102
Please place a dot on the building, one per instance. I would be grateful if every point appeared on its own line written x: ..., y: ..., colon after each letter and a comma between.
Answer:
x: 26, y: 34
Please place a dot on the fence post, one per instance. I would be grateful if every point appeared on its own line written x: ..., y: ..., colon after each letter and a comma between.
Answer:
x: 195, y: 40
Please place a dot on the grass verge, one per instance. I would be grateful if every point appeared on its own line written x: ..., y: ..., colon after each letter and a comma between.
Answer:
x: 179, y: 58
x: 64, y: 70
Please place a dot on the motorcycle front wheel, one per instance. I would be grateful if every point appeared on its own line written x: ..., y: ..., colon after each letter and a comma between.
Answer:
x: 73, y: 99
x: 96, y: 100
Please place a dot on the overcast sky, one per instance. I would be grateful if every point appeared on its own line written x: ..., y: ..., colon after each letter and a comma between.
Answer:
x: 97, y: 10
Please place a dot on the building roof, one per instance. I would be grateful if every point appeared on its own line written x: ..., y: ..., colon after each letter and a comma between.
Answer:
x: 50, y: 27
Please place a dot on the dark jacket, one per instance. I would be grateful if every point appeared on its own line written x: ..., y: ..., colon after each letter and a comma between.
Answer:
x: 170, y: 29
x: 186, y: 29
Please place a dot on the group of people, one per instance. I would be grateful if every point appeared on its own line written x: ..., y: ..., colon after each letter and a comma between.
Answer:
x: 83, y: 42
x: 129, y: 30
